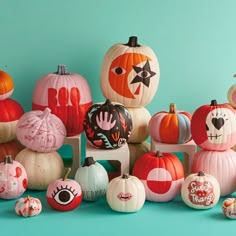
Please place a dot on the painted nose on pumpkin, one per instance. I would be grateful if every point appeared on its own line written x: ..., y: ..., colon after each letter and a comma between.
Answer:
x: 218, y: 122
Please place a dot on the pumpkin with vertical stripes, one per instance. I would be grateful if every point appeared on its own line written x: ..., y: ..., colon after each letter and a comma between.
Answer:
x: 172, y: 127
x: 6, y: 85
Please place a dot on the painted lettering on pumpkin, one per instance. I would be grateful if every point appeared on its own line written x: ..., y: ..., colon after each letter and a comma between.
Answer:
x: 201, y: 193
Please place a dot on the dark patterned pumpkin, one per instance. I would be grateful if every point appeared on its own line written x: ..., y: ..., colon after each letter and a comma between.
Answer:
x: 107, y: 125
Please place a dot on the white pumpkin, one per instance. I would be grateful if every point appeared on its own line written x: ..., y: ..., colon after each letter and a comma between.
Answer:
x: 125, y: 193
x: 229, y: 207
x: 93, y: 179
x: 41, y: 168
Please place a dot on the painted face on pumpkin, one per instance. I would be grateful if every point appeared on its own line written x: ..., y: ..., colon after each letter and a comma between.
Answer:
x: 217, y: 125
x: 130, y: 73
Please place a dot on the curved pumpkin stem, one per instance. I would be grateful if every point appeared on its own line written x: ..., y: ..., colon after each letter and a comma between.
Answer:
x: 133, y: 42
x: 172, y: 108
x: 67, y: 174
x: 45, y: 113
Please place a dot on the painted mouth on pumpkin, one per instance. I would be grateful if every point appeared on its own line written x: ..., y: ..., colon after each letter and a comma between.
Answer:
x: 97, y: 142
x: 124, y: 196
x: 214, y: 136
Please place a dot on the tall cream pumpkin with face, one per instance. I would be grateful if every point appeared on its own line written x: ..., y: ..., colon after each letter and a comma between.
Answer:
x: 130, y: 74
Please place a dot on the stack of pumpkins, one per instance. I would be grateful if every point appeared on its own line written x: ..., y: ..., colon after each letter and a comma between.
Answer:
x: 42, y: 133
x: 11, y: 111
x: 130, y: 76
x: 213, y: 129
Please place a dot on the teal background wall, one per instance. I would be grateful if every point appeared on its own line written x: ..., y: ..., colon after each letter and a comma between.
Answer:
x: 193, y: 40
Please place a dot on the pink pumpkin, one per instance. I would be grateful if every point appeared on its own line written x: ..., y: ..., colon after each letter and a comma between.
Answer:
x: 67, y: 95
x: 13, y: 179
x: 41, y: 131
x: 220, y: 164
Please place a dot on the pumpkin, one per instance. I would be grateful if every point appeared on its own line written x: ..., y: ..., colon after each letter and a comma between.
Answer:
x: 93, y: 179
x: 41, y: 131
x: 64, y: 194
x: 28, y: 206
x: 220, y: 164
x: 67, y: 95
x: 11, y: 148
x: 125, y: 193
x: 171, y: 127
x: 162, y: 175
x: 213, y: 126
x: 229, y: 207
x: 231, y: 95
x: 6, y: 85
x: 107, y: 125
x: 130, y: 74
x: 41, y: 168
x: 140, y: 117
x: 13, y: 179
x: 11, y: 111
x: 136, y: 150
x: 200, y: 190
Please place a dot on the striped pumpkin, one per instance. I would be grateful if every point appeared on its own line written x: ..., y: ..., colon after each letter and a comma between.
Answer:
x: 171, y: 127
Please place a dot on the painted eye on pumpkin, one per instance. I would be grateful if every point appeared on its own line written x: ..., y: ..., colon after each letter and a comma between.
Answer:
x: 64, y: 196
x: 118, y: 70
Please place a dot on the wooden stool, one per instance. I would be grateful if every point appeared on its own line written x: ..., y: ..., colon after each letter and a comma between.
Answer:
x: 188, y: 150
x: 75, y: 142
x: 120, y: 154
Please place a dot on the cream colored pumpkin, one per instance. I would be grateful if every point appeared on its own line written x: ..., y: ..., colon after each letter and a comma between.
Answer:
x: 229, y: 207
x: 41, y: 168
x: 8, y: 131
x: 140, y: 118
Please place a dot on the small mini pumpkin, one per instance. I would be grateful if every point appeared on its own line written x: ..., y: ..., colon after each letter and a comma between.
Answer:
x: 42, y: 168
x: 6, y: 85
x: 229, y: 207
x: 93, y: 179
x: 28, y: 206
x: 107, y: 125
x: 41, y: 131
x: 130, y: 74
x: 64, y: 194
x: 171, y: 127
x: 13, y: 179
x: 213, y: 126
x: 125, y: 193
x: 162, y: 175
x: 200, y: 190
x: 67, y: 95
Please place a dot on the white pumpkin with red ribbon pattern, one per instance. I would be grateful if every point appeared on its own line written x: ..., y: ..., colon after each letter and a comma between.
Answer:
x: 229, y: 207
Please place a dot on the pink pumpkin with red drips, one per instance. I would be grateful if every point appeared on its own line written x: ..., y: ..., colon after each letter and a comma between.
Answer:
x: 67, y: 95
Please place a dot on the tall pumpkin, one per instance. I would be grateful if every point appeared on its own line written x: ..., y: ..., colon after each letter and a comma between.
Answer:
x: 11, y: 111
x: 67, y: 95
x: 162, y: 175
x: 6, y: 85
x: 172, y: 127
x: 130, y: 74
x: 220, y: 164
x: 213, y: 126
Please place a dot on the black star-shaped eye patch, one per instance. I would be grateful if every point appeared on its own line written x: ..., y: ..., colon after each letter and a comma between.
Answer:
x: 143, y: 74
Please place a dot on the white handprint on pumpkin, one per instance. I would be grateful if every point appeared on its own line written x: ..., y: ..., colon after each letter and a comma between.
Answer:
x: 104, y: 121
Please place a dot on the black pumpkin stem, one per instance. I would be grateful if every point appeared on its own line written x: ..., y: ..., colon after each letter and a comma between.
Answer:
x: 214, y: 102
x: 67, y: 174
x: 125, y: 176
x: 158, y: 153
x: 172, y: 108
x: 89, y: 161
x: 61, y: 70
x: 8, y: 159
x: 200, y: 173
x: 133, y: 42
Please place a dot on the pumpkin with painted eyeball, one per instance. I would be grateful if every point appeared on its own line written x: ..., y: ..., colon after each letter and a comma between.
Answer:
x: 13, y: 178
x: 28, y: 206
x: 162, y: 175
x: 41, y: 131
x: 125, y: 193
x: 213, y: 126
x: 200, y: 190
x: 107, y: 125
x: 229, y: 207
x: 11, y: 111
x: 64, y: 194
x: 130, y: 74
x: 220, y: 164
x: 6, y: 85
x: 172, y: 127
x: 68, y: 96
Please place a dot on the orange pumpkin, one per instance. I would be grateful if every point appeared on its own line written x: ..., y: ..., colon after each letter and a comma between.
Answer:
x: 6, y: 85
